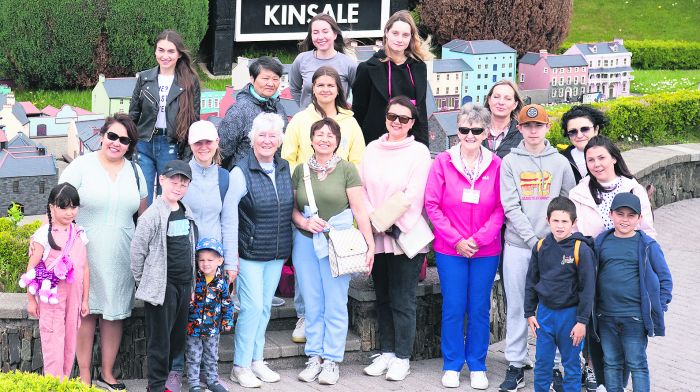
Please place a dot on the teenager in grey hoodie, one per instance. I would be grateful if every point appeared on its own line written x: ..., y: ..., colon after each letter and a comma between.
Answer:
x: 531, y: 176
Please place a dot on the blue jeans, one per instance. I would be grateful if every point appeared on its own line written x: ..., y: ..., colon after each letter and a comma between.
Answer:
x: 256, y: 282
x: 326, y: 300
x: 152, y: 157
x: 555, y: 333
x: 466, y: 289
x: 624, y: 342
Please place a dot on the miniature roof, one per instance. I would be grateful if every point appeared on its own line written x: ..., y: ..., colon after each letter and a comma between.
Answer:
x: 447, y: 121
x: 21, y: 159
x: 530, y: 58
x: 450, y: 65
x: 478, y: 46
x: 120, y: 87
x: 50, y: 111
x: 290, y: 106
x: 29, y: 108
x: 19, y: 113
x: 566, y: 60
x: 81, y: 111
x: 430, y: 105
x: 364, y: 52
x: 89, y: 133
x: 610, y: 70
x: 601, y: 48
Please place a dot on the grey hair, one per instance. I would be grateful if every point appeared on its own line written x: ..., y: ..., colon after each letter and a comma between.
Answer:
x: 267, y: 122
x: 474, y: 112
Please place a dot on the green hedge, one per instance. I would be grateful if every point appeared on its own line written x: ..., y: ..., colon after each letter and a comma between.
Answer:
x: 651, y: 54
x: 66, y: 43
x: 648, y: 119
x: 14, y: 244
x: 16, y: 381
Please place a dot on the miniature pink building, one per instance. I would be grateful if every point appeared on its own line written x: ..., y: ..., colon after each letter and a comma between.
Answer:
x: 550, y: 78
x: 609, y: 63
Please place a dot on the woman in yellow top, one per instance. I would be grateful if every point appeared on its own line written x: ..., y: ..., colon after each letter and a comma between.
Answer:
x: 328, y: 101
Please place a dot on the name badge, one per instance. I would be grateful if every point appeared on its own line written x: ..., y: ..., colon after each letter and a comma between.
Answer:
x: 470, y: 196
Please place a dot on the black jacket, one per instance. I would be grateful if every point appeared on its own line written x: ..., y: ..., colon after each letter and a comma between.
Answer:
x: 510, y: 140
x: 554, y: 279
x: 143, y: 108
x: 370, y: 95
x: 574, y: 167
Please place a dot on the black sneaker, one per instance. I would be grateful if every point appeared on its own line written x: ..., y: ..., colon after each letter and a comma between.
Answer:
x: 514, y: 379
x: 557, y: 381
x: 589, y: 382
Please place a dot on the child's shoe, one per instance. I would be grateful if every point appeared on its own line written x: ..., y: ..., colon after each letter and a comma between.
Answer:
x: 174, y: 381
x: 515, y: 378
x: 589, y: 382
x: 216, y: 387
x: 557, y: 381
x: 263, y: 372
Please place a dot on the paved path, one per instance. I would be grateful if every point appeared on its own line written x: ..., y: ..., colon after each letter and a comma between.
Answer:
x: 674, y: 360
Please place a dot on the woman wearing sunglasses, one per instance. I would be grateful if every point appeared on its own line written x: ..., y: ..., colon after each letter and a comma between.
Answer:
x: 462, y: 199
x: 111, y: 190
x: 580, y: 124
x: 395, y: 167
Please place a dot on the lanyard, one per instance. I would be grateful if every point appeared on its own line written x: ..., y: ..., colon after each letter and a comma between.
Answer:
x: 409, y: 74
x: 471, y: 174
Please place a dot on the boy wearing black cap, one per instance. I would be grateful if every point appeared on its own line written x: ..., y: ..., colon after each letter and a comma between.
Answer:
x: 162, y: 261
x: 633, y: 292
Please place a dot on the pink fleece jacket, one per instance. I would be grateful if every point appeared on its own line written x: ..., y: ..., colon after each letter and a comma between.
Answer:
x: 454, y: 220
x: 390, y: 167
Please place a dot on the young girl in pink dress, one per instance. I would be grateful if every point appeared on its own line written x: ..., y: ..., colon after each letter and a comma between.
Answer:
x: 58, y: 280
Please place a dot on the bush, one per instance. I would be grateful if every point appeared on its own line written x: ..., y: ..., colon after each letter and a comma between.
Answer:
x: 647, y: 119
x: 14, y: 244
x: 650, y: 54
x: 17, y: 381
x: 524, y: 25
x: 66, y: 43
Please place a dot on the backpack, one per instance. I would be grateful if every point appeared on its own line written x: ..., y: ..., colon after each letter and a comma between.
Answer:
x: 577, y: 246
x: 223, y: 183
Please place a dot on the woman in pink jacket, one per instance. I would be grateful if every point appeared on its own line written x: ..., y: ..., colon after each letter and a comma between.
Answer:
x: 462, y: 199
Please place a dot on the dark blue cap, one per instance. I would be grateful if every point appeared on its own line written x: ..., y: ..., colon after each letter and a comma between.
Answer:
x: 626, y: 199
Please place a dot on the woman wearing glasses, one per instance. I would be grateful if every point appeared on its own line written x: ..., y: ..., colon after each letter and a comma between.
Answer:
x: 395, y: 167
x: 462, y: 199
x: 580, y: 124
x: 111, y: 190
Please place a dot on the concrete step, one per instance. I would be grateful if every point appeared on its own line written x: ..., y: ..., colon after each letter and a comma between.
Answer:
x: 283, y: 317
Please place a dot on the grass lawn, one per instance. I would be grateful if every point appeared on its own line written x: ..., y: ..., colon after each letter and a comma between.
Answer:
x: 602, y: 20
x: 56, y: 98
x: 657, y: 81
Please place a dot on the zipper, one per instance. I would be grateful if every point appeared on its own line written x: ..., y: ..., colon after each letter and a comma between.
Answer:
x: 153, y: 101
x: 646, y: 261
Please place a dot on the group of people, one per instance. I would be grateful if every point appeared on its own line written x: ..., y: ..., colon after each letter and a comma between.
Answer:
x: 183, y: 216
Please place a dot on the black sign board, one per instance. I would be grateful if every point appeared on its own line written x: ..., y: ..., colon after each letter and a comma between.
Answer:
x: 272, y: 20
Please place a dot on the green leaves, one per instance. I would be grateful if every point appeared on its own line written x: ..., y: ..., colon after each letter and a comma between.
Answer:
x: 14, y: 245
x: 17, y: 381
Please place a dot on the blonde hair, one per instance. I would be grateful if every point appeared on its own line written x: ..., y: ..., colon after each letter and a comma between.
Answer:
x: 516, y: 95
x: 418, y: 49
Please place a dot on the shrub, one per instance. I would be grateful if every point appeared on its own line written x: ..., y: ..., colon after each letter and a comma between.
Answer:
x: 14, y: 244
x: 17, y: 381
x: 527, y: 25
x: 66, y: 43
x: 651, y: 54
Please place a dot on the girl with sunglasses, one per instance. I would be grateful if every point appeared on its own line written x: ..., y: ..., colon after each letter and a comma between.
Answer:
x: 462, y: 199
x: 397, y: 69
x: 580, y: 124
x: 111, y: 190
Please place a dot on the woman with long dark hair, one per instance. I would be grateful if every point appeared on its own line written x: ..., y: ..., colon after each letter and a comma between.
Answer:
x: 164, y: 104
x: 580, y: 124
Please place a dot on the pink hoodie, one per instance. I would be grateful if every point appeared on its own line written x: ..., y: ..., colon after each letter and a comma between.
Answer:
x: 453, y: 219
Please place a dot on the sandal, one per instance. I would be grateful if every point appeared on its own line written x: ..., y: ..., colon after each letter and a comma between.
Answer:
x: 118, y: 386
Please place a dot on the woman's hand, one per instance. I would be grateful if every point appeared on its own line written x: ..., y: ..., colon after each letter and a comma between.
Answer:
x: 33, y: 307
x: 84, y: 307
x: 232, y: 274
x: 472, y: 245
x: 369, y: 259
x: 463, y: 248
x: 315, y: 224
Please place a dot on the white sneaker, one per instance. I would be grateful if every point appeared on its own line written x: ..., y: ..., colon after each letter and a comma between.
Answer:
x: 398, y: 369
x: 313, y: 368
x: 478, y: 380
x: 245, y: 377
x: 277, y: 301
x: 299, y: 333
x: 379, y: 365
x: 330, y: 373
x: 263, y: 372
x: 450, y: 379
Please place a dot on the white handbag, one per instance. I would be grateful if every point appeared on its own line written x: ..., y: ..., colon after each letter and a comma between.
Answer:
x: 412, y: 242
x: 347, y: 249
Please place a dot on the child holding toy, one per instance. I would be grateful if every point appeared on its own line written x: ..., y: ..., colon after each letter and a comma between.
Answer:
x: 58, y: 274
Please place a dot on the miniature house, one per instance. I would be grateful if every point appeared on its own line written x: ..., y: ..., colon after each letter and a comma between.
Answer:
x: 549, y: 78
x: 112, y: 95
x: 240, y: 75
x: 609, y: 67
x: 446, y: 78
x: 209, y: 102
x: 83, y: 137
x: 13, y: 119
x: 442, y: 131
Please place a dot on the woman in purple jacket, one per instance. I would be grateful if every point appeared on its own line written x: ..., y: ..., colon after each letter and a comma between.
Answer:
x: 467, y: 217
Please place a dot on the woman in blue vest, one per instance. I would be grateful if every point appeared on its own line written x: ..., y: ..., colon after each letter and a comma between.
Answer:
x: 257, y: 235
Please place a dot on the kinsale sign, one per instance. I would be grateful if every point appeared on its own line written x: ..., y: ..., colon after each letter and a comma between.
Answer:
x: 275, y: 20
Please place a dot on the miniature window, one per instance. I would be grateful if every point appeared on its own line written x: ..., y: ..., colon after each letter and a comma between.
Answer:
x: 568, y: 80
x: 478, y: 87
x: 561, y: 81
x: 583, y: 79
x: 478, y: 66
x: 466, y: 76
x: 503, y: 74
x: 456, y: 90
x: 576, y: 69
x: 447, y: 77
x: 41, y: 130
x: 605, y: 63
x: 510, y: 74
x: 466, y: 89
x: 15, y: 186
x: 545, y: 69
x: 478, y: 98
x: 478, y: 76
x: 583, y: 69
x: 554, y: 93
x: 437, y: 91
x: 485, y: 88
x: 522, y: 78
x: 617, y: 61
x: 437, y: 77
x: 42, y: 185
x: 575, y: 90
x: 599, y: 63
x: 503, y: 65
x: 624, y: 62
x: 575, y: 79
x: 561, y: 92
x: 569, y: 69
x: 554, y: 81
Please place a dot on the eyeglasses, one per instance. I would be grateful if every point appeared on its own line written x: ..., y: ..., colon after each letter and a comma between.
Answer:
x: 474, y: 131
x: 573, y: 132
x: 402, y: 119
x: 122, y: 139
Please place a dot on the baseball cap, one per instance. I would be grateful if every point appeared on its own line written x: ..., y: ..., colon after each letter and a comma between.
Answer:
x: 626, y: 199
x: 202, y: 130
x: 177, y: 167
x: 533, y: 113
x: 212, y: 244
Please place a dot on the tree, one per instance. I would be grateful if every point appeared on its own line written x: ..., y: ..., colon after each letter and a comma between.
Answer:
x: 524, y: 25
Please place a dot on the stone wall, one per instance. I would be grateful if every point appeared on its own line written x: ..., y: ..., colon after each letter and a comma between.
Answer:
x: 29, y: 193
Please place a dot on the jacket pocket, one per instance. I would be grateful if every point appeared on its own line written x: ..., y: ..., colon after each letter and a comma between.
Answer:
x: 149, y: 97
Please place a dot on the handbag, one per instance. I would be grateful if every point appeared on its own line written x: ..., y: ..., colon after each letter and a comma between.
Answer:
x: 384, y: 216
x: 347, y: 248
x: 413, y: 241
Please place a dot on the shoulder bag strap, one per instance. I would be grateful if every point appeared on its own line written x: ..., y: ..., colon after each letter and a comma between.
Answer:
x: 577, y: 246
x: 309, y: 190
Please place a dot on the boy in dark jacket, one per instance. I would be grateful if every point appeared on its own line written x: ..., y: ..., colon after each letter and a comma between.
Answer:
x: 211, y: 312
x: 634, y: 290
x: 560, y: 285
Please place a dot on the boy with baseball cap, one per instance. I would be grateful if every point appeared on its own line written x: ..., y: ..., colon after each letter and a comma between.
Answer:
x: 531, y: 176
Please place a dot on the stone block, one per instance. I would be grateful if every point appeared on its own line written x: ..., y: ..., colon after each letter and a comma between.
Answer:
x: 14, y: 346
x: 26, y: 350
x: 38, y: 357
x: 25, y: 366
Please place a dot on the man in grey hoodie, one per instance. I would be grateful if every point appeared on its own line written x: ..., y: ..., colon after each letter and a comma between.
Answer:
x: 258, y: 96
x: 531, y: 176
